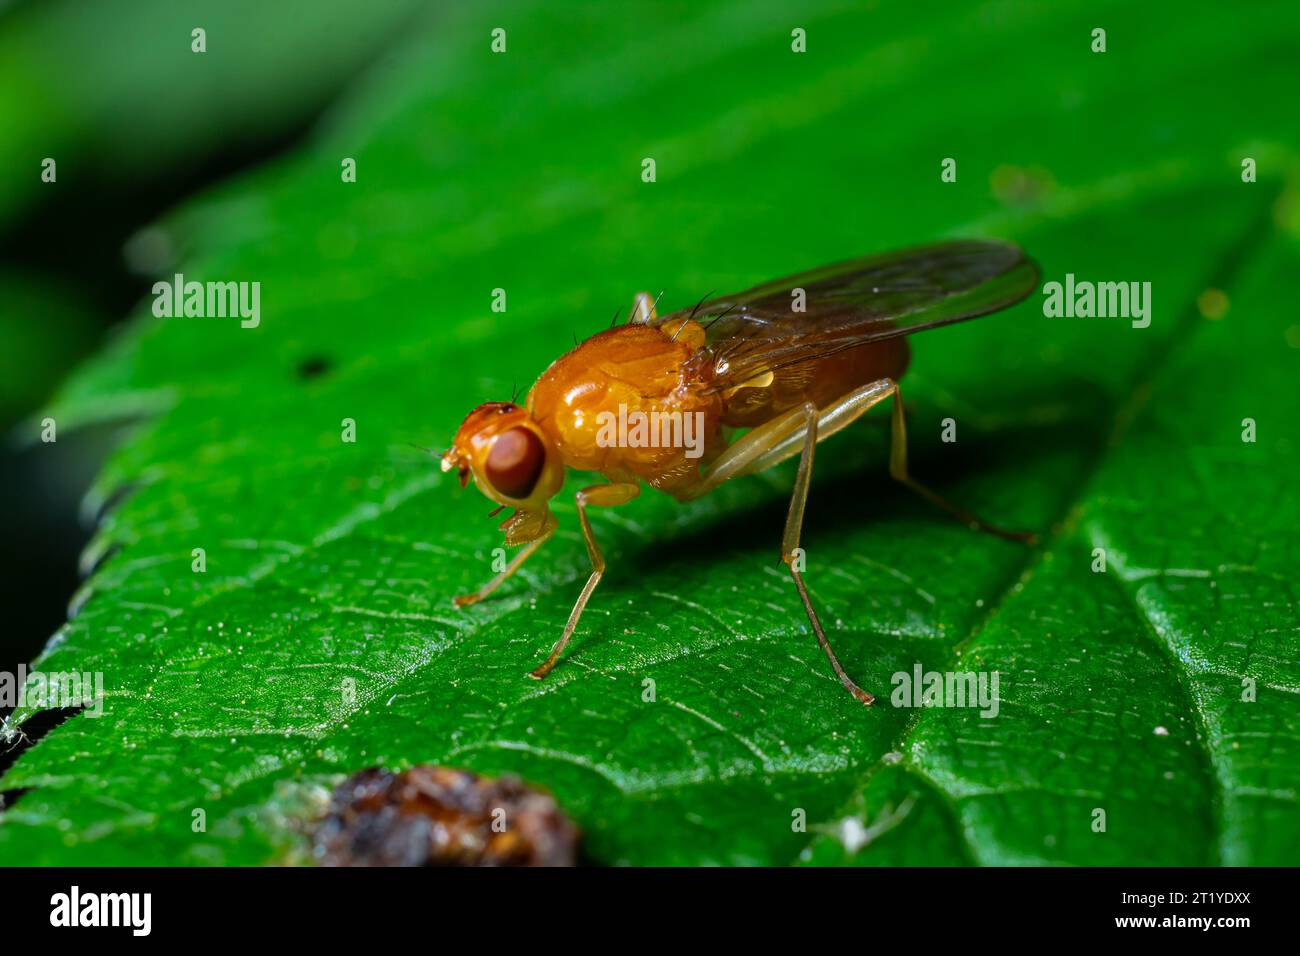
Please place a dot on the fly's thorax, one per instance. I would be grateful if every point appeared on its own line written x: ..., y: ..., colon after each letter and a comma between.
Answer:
x: 621, y: 403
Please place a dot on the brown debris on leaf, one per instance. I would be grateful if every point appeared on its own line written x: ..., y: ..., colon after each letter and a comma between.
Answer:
x: 435, y: 816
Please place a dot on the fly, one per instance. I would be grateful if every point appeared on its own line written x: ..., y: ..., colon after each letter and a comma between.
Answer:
x: 793, y: 361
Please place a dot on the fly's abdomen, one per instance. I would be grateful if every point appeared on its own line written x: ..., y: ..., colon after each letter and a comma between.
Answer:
x: 820, y: 380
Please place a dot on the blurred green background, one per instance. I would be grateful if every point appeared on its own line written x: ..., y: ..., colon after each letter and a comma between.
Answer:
x: 522, y: 170
x: 135, y: 121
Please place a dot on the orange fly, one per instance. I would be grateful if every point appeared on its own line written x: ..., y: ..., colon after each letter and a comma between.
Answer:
x: 793, y: 361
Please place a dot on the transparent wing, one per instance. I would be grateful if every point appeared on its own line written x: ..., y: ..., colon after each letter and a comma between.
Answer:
x: 853, y: 303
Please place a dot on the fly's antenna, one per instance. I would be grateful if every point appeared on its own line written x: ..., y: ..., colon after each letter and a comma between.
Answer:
x: 514, y: 392
x: 430, y: 451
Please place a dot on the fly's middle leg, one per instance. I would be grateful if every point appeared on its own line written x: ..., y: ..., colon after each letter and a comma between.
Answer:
x: 796, y: 432
x: 790, y: 545
x: 604, y: 496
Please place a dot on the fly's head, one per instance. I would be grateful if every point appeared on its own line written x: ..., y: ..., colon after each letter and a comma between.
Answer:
x: 513, y: 462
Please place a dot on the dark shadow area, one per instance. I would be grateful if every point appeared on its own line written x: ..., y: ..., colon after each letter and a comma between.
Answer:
x: 41, y: 490
x: 31, y: 734
x: 78, y: 234
x: 851, y: 496
x: 9, y: 797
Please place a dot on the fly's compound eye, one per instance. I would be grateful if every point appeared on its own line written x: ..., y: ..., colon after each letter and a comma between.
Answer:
x: 515, y: 462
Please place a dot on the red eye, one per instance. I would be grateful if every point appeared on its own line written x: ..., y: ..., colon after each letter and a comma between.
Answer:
x: 515, y: 462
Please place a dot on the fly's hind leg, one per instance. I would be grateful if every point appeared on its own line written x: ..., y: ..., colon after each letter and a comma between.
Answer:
x: 796, y: 432
x: 782, y: 438
x: 605, y: 496
x: 898, y: 471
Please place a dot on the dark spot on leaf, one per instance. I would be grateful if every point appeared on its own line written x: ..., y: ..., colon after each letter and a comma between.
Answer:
x: 435, y: 816
x: 314, y: 367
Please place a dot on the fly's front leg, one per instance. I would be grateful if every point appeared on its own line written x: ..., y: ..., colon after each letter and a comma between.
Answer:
x: 605, y: 496
x: 464, y: 600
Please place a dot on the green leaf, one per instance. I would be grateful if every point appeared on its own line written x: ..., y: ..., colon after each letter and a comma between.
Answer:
x: 329, y: 562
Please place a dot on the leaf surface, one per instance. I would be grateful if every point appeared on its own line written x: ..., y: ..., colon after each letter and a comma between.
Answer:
x: 321, y: 637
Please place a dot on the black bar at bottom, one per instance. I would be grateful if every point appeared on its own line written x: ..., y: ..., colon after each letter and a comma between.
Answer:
x: 382, y: 908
